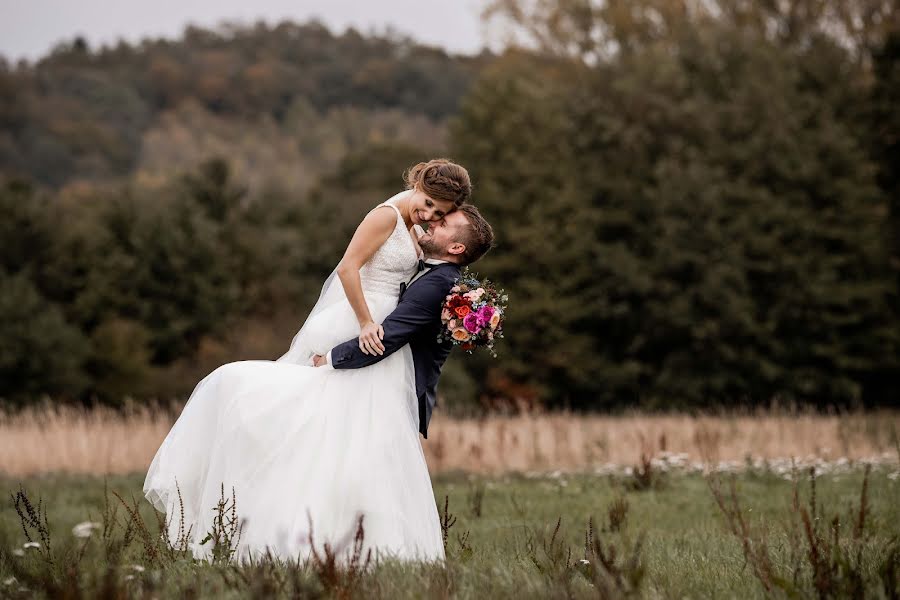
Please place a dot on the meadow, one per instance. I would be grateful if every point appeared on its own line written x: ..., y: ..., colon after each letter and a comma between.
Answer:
x: 533, y: 505
x: 659, y: 533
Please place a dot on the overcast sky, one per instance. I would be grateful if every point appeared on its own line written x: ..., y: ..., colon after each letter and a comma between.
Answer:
x: 29, y: 28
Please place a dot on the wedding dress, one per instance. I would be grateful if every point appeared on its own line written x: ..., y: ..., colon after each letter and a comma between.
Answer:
x: 303, y: 445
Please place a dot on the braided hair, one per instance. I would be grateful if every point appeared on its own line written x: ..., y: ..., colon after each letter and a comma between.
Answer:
x: 440, y: 179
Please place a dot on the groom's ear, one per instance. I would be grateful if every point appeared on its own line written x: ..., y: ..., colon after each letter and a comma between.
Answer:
x: 456, y: 248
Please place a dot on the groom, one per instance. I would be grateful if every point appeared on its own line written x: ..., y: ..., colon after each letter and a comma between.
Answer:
x: 459, y: 239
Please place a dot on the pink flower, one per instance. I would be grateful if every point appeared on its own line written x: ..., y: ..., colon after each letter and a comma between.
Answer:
x: 471, y: 323
x: 484, y: 315
x: 445, y: 315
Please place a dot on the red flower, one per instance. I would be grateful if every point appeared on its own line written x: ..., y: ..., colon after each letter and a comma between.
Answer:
x: 460, y: 305
x: 468, y: 346
x: 458, y: 300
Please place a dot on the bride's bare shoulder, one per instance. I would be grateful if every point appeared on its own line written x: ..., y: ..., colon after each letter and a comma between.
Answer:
x: 375, y: 228
x: 383, y: 215
x: 381, y: 218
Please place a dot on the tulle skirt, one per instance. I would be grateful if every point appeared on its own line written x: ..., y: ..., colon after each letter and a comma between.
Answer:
x: 307, y: 451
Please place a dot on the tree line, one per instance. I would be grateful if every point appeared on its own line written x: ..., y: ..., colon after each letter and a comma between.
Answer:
x: 697, y: 202
x: 693, y: 208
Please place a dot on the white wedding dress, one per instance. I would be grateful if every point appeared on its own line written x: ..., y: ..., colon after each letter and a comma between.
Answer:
x: 300, y: 444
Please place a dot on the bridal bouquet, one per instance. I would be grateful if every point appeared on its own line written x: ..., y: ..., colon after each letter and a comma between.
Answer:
x: 473, y: 313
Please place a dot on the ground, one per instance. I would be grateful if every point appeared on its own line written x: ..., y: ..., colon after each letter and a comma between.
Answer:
x: 673, y: 540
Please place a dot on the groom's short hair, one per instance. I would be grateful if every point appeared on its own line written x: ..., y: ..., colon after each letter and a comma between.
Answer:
x: 477, y: 236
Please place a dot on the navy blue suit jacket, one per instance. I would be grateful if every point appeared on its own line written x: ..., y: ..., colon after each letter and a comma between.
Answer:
x: 416, y: 321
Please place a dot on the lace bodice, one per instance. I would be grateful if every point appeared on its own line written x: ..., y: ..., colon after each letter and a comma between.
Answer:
x: 395, y: 262
x: 332, y: 320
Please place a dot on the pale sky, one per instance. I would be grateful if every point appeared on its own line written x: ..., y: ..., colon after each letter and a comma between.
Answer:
x: 30, y: 28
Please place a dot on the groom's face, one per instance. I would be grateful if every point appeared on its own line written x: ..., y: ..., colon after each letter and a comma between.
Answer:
x: 442, y: 237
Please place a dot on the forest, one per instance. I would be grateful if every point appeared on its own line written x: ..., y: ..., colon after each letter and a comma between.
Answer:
x: 696, y: 204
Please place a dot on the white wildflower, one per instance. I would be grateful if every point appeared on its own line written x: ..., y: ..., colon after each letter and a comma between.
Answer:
x: 18, y: 552
x: 28, y: 545
x: 9, y: 581
x: 84, y: 530
x: 584, y: 561
x: 129, y: 577
x: 138, y: 568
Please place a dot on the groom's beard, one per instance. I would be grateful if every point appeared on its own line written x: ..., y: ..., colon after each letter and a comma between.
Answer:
x: 431, y: 249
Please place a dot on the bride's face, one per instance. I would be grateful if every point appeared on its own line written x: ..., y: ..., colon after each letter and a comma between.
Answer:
x: 424, y: 209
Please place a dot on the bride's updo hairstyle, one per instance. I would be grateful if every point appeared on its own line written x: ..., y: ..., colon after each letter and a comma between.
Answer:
x: 440, y: 179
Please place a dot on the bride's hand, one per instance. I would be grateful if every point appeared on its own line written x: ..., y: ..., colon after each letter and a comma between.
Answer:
x: 370, y: 336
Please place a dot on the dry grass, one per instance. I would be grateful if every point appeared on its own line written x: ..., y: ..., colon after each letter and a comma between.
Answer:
x: 73, y: 440
x: 106, y: 441
x: 569, y: 442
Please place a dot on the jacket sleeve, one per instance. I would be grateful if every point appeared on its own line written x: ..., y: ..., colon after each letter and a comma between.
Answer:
x: 419, y: 307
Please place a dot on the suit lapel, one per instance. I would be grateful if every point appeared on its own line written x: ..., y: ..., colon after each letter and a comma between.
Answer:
x: 432, y: 269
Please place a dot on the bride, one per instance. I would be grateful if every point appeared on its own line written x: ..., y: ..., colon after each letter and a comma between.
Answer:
x: 310, y: 447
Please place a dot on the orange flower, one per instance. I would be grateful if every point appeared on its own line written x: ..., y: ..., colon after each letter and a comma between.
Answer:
x: 460, y: 334
x: 462, y: 311
x: 495, y: 320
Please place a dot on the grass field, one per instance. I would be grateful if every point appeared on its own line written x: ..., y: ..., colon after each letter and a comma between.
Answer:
x: 670, y: 540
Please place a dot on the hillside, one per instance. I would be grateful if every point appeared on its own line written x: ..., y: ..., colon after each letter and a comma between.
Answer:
x: 295, y: 94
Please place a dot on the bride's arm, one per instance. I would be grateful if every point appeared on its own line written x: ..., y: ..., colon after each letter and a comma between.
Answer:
x: 369, y: 236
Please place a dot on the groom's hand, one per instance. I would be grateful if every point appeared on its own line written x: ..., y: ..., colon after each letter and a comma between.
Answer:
x: 319, y: 360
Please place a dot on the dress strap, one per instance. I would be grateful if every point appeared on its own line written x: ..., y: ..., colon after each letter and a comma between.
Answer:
x: 389, y: 202
x: 397, y: 210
